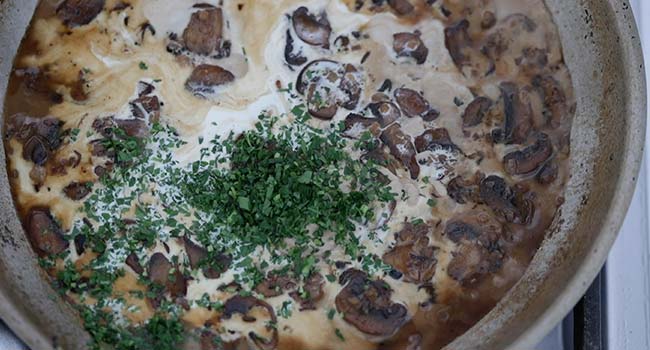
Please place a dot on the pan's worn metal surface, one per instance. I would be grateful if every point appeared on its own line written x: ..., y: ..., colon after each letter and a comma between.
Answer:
x: 603, y: 52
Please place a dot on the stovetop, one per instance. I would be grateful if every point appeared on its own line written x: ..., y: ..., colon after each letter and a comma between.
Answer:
x: 615, y: 312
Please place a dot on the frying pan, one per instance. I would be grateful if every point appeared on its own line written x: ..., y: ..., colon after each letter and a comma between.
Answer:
x: 602, y: 49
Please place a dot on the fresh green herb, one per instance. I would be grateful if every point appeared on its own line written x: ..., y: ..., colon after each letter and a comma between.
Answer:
x: 339, y: 334
x: 143, y: 65
x: 286, y: 309
x: 331, y: 313
x: 431, y: 202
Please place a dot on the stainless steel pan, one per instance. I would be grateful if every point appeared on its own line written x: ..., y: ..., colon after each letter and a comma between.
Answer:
x: 602, y: 49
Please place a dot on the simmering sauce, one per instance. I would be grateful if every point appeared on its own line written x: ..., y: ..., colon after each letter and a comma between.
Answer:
x: 290, y: 174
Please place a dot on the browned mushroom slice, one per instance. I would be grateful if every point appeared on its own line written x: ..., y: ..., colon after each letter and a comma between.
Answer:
x: 206, y: 78
x: 401, y: 147
x: 471, y: 263
x: 312, y: 292
x: 510, y: 204
x: 366, y: 304
x: 410, y: 45
x: 462, y: 51
x: 293, y: 58
x: 463, y: 191
x: 77, y: 190
x: 530, y: 158
x: 327, y: 85
x: 554, y: 99
x: 203, y: 34
x: 385, y: 112
x: 243, y: 305
x: 40, y: 137
x: 163, y: 273
x: 548, y: 173
x: 417, y: 262
x: 76, y: 13
x: 413, y: 104
x: 402, y: 7
x: 355, y: 125
x: 510, y: 29
x: 517, y: 123
x: 275, y: 285
x: 134, y: 263
x: 414, y: 259
x: 137, y: 128
x: 479, y: 253
x: 198, y: 257
x: 435, y: 138
x: 380, y: 157
x: 476, y: 111
x: 44, y: 232
x: 146, y: 106
x: 312, y: 30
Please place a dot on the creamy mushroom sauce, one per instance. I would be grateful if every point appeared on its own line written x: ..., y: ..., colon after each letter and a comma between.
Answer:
x: 468, y: 103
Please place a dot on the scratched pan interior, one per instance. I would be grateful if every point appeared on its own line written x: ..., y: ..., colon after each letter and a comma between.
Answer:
x: 603, y: 52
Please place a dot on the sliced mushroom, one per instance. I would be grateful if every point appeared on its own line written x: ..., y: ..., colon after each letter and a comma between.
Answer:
x: 385, y: 112
x: 471, y: 263
x: 40, y: 137
x: 146, y: 107
x: 413, y: 104
x: 76, y: 13
x: 314, y: 31
x: 366, y: 304
x: 476, y: 111
x: 509, y: 30
x: 327, y: 85
x: 530, y: 158
x: 203, y: 34
x: 401, y: 147
x: 355, y: 125
x: 275, y: 285
x: 412, y: 255
x: 77, y: 190
x: 206, y: 78
x: 517, y: 116
x: 464, y: 191
x: 435, y: 138
x: 507, y: 203
x: 477, y: 234
x: 163, y: 273
x: 293, y: 58
x: 402, y: 7
x: 134, y: 263
x: 380, y: 157
x: 312, y: 292
x: 410, y: 45
x: 463, y: 51
x: 548, y: 173
x: 554, y: 98
x: 44, y: 233
x: 137, y: 128
x: 243, y: 305
x: 199, y: 258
